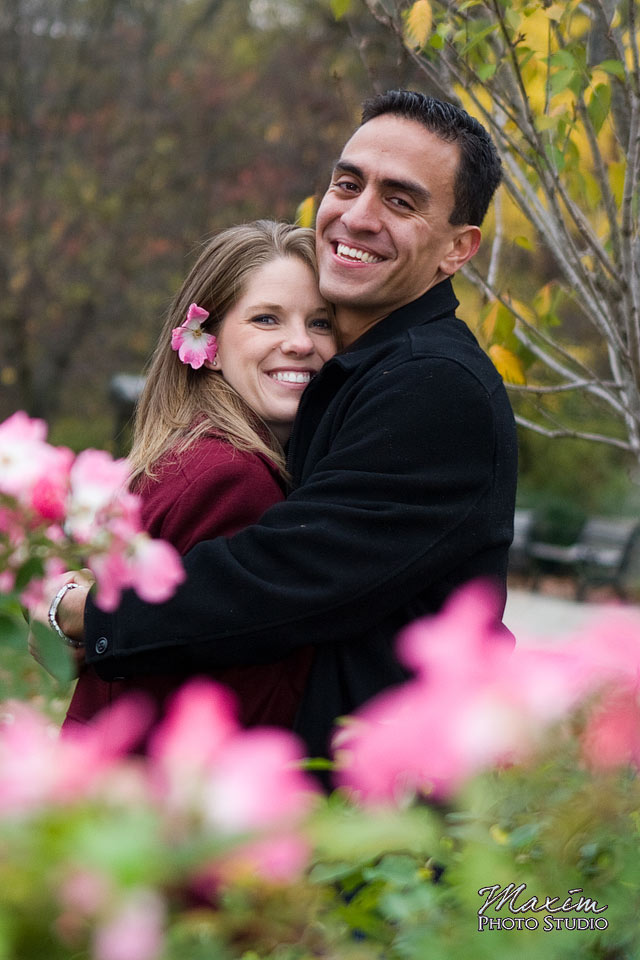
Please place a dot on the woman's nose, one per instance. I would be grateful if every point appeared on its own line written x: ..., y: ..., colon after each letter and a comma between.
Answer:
x: 298, y: 340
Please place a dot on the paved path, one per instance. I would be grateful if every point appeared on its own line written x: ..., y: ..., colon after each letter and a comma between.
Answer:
x: 540, y: 615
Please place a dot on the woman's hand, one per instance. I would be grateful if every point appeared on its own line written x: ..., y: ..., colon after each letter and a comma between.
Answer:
x: 70, y: 613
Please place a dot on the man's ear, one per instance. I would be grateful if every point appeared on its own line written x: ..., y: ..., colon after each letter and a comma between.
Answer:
x: 463, y: 246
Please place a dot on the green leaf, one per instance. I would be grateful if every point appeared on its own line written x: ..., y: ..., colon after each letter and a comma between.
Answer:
x: 599, y: 106
x: 486, y: 71
x: 614, y: 67
x: 498, y: 323
x: 563, y: 58
x: 562, y: 80
x: 31, y: 570
x: 13, y: 631
x: 397, y: 869
x: 323, y: 873
x: 556, y: 157
x: 478, y: 38
x: 340, y: 8
x: 318, y: 763
x: 56, y: 656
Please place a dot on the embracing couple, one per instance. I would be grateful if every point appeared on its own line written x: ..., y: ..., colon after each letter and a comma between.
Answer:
x: 399, y: 479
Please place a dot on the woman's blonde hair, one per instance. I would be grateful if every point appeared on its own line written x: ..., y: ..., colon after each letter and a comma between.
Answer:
x: 178, y: 405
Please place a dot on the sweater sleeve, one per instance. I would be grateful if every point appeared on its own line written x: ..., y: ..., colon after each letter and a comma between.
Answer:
x: 382, y: 514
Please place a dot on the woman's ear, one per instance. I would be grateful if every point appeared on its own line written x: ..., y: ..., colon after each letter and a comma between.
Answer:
x: 213, y: 365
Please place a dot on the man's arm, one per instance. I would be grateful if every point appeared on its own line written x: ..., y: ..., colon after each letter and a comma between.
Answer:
x: 382, y: 514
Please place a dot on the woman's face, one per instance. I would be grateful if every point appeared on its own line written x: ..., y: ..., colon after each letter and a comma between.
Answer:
x: 275, y: 339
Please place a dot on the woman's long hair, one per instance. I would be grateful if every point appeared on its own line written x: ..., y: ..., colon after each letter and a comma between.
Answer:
x: 178, y: 405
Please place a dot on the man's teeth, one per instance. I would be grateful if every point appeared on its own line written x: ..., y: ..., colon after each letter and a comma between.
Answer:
x: 292, y: 376
x: 354, y: 254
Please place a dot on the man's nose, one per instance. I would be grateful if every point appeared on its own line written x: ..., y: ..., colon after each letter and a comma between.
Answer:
x: 362, y: 214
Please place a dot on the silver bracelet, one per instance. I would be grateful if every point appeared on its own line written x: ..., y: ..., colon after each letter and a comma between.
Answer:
x: 53, y: 610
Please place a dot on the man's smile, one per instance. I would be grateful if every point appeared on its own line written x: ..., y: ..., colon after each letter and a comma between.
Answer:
x: 346, y: 252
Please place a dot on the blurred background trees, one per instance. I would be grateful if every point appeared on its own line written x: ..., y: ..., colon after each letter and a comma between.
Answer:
x: 129, y: 131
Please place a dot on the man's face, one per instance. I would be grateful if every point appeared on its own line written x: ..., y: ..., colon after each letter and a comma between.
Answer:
x: 383, y: 231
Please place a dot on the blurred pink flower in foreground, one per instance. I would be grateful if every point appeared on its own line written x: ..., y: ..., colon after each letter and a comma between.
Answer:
x: 38, y: 768
x: 612, y: 736
x: 236, y: 781
x: 31, y: 470
x: 81, y: 505
x: 96, y: 483
x: 473, y: 702
x: 153, y: 568
x: 134, y: 930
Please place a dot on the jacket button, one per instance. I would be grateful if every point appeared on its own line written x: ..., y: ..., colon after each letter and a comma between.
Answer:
x: 101, y: 645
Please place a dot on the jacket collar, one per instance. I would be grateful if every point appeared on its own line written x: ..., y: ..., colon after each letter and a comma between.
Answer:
x: 439, y: 301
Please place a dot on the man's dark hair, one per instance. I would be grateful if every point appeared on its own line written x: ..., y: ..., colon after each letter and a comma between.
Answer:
x: 479, y: 170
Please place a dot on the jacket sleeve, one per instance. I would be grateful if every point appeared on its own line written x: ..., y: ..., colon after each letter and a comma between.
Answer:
x: 382, y: 514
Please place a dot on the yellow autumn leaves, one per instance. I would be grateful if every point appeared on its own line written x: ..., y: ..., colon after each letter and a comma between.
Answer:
x: 417, y: 24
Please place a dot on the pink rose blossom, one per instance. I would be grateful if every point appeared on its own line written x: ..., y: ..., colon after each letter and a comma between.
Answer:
x: 38, y: 768
x: 235, y: 781
x: 155, y: 568
x: 49, y: 492
x: 194, y: 346
x: 22, y: 447
x: 257, y: 782
x: 84, y: 891
x: 97, y: 483
x: 31, y: 470
x: 612, y: 735
x: 112, y: 575
x: 199, y: 705
x: 7, y: 581
x: 473, y: 703
x: 134, y: 930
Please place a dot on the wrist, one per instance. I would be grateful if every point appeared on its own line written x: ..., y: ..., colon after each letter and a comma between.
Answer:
x: 70, y: 614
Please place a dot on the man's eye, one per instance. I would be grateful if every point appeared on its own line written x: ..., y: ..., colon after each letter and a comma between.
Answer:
x: 346, y: 185
x: 400, y: 202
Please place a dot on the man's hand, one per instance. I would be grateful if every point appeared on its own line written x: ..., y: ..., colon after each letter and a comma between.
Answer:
x: 70, y: 614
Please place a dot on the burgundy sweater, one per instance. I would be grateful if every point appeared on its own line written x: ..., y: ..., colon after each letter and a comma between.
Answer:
x: 211, y: 490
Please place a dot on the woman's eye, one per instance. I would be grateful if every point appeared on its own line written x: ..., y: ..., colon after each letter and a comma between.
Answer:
x: 321, y: 323
x: 265, y: 319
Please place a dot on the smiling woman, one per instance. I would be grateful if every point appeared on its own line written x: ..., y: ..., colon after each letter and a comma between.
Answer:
x: 274, y: 340
x: 246, y: 333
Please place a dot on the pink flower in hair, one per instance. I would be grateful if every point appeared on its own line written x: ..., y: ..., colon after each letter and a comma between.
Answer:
x: 194, y: 346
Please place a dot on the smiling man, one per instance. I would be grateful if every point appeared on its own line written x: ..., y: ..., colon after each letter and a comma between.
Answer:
x: 403, y: 454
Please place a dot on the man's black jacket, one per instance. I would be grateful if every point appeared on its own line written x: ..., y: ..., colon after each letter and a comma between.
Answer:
x: 404, y: 462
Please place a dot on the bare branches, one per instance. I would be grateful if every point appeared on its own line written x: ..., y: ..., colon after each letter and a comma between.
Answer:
x: 574, y: 434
